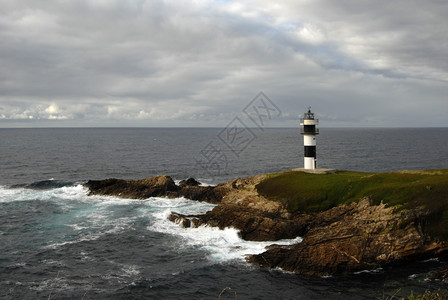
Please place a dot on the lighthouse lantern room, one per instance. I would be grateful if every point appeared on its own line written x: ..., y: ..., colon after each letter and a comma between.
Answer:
x: 309, y: 131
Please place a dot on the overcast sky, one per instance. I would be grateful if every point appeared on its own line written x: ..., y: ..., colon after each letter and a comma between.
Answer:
x: 199, y: 63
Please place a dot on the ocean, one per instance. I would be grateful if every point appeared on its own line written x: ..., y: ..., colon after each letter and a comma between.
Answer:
x: 56, y: 242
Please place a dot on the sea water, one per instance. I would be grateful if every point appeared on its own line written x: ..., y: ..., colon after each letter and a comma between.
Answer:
x: 57, y: 242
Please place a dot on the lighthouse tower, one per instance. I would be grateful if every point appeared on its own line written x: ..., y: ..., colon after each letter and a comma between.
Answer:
x: 309, y: 131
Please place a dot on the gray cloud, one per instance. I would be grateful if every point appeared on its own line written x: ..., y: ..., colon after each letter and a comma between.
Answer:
x: 198, y: 63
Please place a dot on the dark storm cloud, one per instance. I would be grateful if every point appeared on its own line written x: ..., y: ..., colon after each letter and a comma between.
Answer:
x: 188, y: 63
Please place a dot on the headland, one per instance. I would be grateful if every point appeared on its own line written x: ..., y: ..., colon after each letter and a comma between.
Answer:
x: 349, y: 221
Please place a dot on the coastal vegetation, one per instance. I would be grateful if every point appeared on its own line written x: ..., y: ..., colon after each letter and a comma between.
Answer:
x: 404, y: 190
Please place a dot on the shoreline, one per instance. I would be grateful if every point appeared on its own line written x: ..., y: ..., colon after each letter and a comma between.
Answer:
x: 346, y: 238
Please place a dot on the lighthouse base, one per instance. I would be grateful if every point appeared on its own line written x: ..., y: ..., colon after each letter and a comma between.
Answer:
x: 310, y: 163
x: 315, y: 171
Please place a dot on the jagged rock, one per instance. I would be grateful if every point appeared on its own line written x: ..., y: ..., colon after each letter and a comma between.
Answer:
x: 361, y: 237
x: 189, y: 182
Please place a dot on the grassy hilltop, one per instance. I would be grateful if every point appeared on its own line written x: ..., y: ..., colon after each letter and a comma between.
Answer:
x: 405, y: 190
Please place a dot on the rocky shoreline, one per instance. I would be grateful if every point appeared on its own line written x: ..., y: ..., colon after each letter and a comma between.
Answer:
x: 344, y: 239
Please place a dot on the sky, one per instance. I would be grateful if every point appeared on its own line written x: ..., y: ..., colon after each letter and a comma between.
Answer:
x: 199, y: 63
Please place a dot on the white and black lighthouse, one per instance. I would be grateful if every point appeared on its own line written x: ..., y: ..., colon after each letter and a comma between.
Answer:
x: 309, y: 131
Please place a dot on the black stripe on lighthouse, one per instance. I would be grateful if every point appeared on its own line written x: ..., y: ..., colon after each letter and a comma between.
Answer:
x: 310, y: 151
x: 310, y: 129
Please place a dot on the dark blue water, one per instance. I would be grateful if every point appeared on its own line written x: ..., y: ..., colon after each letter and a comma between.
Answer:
x: 57, y: 243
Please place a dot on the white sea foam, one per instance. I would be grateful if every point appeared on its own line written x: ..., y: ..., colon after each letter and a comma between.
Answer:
x: 11, y: 195
x: 207, y: 184
x: 71, y: 192
x: 91, y: 237
x: 23, y: 194
x: 180, y: 205
x: 128, y: 270
x: 377, y: 270
x: 434, y: 259
x: 90, y: 217
x: 167, y: 202
x: 98, y: 227
x: 220, y: 245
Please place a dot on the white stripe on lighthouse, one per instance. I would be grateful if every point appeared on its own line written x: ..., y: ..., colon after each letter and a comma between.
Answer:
x: 309, y: 163
x: 309, y: 140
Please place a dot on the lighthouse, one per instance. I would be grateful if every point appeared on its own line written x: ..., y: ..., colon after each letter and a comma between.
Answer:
x: 309, y: 131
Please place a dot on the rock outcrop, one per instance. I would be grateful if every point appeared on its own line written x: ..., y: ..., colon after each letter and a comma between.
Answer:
x: 158, y: 186
x: 257, y: 218
x: 353, y: 237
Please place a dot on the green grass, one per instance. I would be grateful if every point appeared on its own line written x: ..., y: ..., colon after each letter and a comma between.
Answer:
x: 304, y: 192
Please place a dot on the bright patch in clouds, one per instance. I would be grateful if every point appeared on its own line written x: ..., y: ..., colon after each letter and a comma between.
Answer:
x: 311, y: 34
